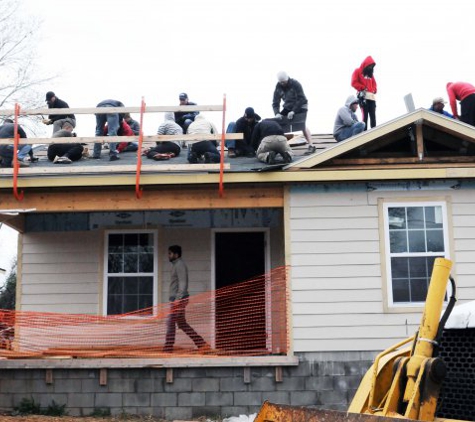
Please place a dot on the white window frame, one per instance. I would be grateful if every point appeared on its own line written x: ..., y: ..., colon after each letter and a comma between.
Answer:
x: 389, y: 255
x: 106, y: 275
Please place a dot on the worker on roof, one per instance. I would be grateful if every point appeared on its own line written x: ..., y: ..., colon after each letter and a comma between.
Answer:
x: 113, y: 121
x: 164, y: 150
x: 244, y: 125
x: 65, y: 153
x: 269, y: 140
x: 185, y: 118
x: 134, y: 125
x: 364, y: 82
x: 24, y: 152
x: 465, y: 93
x: 290, y: 92
x: 203, y: 150
x: 438, y: 104
x: 57, y: 120
x: 346, y: 122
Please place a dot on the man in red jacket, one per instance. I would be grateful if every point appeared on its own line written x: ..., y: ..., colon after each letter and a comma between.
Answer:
x: 465, y: 93
x: 363, y: 81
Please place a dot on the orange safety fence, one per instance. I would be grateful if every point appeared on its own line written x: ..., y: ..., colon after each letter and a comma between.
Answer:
x: 244, y: 319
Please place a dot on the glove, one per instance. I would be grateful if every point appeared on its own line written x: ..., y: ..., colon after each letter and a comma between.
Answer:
x: 278, y: 116
x: 47, y: 121
x: 291, y: 114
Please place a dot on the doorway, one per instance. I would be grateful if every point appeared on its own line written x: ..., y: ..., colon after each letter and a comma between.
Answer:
x: 240, y: 256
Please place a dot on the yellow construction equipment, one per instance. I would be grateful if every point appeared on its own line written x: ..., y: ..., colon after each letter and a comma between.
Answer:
x: 403, y: 383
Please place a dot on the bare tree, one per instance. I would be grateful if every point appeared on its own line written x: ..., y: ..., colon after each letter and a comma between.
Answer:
x: 20, y: 77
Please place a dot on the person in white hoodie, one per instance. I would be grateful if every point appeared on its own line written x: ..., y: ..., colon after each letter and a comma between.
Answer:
x: 206, y: 150
x: 346, y: 122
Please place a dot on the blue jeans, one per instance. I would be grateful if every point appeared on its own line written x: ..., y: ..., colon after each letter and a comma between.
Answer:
x: 199, y: 149
x: 231, y: 143
x: 350, y: 131
x: 6, y: 153
x: 113, y: 126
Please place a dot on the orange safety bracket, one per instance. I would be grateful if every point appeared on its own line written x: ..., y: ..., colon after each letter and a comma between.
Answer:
x: 221, y: 161
x: 138, y: 189
x: 16, y: 164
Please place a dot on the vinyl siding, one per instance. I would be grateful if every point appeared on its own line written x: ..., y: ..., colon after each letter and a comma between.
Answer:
x: 337, y: 281
x: 60, y: 272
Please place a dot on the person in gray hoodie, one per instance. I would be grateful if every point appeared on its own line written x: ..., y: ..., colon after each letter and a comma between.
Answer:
x: 346, y: 122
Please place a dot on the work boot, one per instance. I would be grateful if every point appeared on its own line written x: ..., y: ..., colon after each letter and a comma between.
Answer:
x: 271, y: 158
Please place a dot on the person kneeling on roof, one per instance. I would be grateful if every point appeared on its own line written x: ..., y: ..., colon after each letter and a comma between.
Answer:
x: 24, y: 152
x: 203, y: 149
x: 269, y: 140
x: 346, y: 122
x: 64, y: 153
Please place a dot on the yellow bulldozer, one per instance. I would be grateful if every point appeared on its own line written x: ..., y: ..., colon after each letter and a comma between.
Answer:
x: 405, y: 380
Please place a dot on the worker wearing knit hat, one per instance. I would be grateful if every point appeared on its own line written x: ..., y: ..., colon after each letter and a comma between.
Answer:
x: 290, y: 92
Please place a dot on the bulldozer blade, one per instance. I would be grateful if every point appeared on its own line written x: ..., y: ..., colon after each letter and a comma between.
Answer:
x: 271, y: 412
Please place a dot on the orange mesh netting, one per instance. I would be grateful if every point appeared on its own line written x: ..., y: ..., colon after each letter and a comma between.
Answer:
x: 244, y: 319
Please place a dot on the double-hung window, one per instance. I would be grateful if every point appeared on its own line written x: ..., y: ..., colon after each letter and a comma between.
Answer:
x: 130, y: 271
x: 415, y: 235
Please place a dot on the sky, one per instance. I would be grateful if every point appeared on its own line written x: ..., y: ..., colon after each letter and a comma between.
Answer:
x: 153, y: 49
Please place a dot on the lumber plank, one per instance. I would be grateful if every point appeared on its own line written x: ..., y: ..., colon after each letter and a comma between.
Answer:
x: 192, y: 138
x: 419, y: 141
x: 124, y: 168
x: 108, y: 110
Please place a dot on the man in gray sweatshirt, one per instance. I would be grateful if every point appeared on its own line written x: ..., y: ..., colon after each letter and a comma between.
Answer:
x: 178, y: 301
x: 346, y: 122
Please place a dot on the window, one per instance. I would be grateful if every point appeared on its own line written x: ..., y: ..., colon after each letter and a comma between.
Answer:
x: 130, y: 269
x: 416, y: 234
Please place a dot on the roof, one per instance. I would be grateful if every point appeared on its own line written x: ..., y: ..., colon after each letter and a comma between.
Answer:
x: 418, y: 145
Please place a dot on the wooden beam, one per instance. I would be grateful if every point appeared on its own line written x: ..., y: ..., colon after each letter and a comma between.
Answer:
x: 247, y: 375
x: 108, y: 169
x: 191, y: 138
x: 16, y: 222
x: 249, y: 196
x: 400, y: 160
x: 420, y: 141
x: 169, y: 376
x: 49, y: 377
x: 279, y: 374
x: 108, y: 110
x: 103, y: 376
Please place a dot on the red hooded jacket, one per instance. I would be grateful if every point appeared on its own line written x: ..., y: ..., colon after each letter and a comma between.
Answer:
x: 361, y: 82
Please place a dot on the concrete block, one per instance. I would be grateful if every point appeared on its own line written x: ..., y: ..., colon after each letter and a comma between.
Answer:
x: 145, y: 385
x: 291, y: 384
x: 248, y: 399
x: 263, y: 384
x: 190, y: 373
x: 303, y: 398
x: 218, y: 399
x: 346, y: 383
x: 191, y: 399
x: 228, y: 411
x: 6, y: 401
x: 209, y: 412
x: 333, y: 397
x: 164, y: 399
x: 232, y: 384
x: 205, y: 384
x: 136, y: 399
x: 108, y: 400
x: 63, y: 385
x: 281, y: 397
x: 318, y: 383
x: 304, y: 369
x: 158, y: 412
x: 332, y: 368
x: 47, y: 399
x: 357, y: 367
x: 91, y: 385
x: 121, y: 385
x: 183, y: 413
x: 80, y: 400
x: 179, y: 385
x: 219, y: 372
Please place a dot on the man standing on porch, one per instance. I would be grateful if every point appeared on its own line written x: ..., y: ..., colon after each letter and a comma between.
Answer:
x: 178, y: 301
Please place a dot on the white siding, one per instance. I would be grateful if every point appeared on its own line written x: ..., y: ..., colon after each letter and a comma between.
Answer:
x: 337, y: 283
x: 60, y: 272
